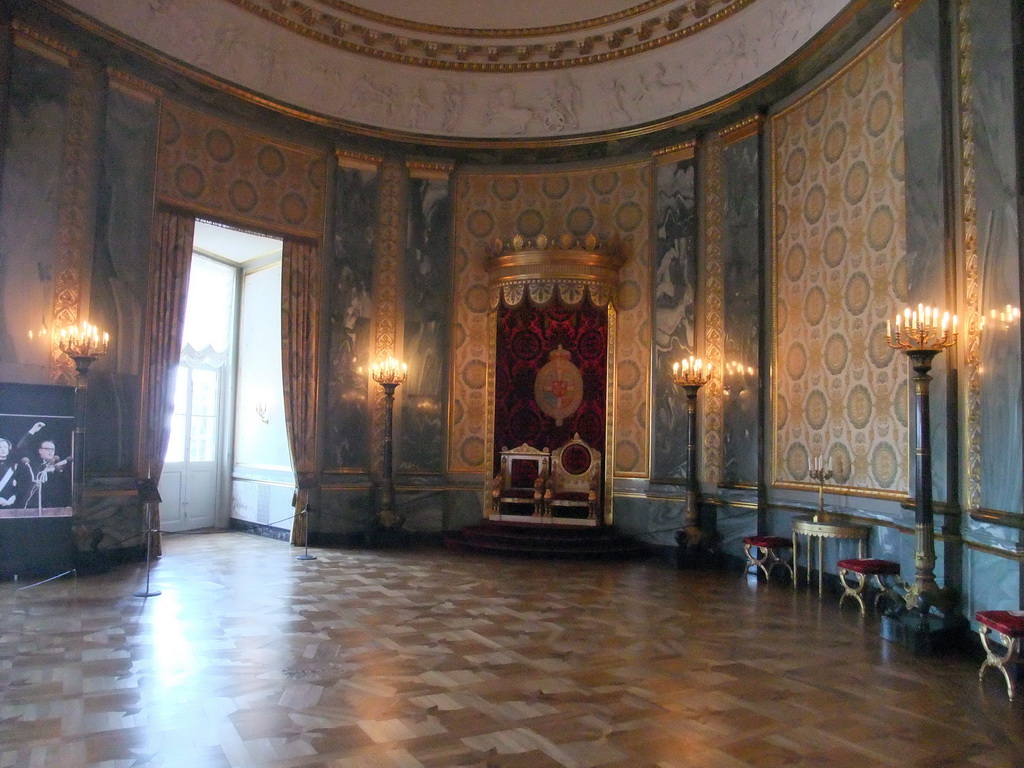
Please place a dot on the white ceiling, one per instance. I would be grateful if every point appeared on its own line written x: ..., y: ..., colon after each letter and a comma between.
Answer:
x: 232, y: 244
x: 479, y: 70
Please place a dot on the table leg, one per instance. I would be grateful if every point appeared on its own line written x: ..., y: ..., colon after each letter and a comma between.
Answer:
x: 821, y: 559
x: 796, y: 561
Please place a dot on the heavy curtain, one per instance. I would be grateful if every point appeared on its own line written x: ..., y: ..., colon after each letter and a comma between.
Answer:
x: 301, y: 280
x: 168, y: 289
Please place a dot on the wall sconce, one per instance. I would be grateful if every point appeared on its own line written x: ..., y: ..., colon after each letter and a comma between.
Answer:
x: 83, y: 343
x: 261, y: 410
x: 41, y: 334
x: 1000, y: 319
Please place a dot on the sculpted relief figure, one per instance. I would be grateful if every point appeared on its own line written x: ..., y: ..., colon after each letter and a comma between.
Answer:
x: 506, y: 114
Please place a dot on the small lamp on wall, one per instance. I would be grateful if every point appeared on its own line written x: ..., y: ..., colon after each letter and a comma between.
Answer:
x: 691, y: 374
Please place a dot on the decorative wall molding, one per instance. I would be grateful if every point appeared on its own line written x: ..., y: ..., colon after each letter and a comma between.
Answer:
x: 713, y: 213
x: 386, y: 277
x: 972, y: 280
x: 77, y: 222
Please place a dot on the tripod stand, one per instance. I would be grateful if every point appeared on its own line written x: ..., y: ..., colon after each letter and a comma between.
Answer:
x: 148, y: 495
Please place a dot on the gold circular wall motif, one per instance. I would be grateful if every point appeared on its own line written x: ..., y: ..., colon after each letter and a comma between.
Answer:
x: 879, y: 113
x: 834, y: 250
x: 797, y: 462
x: 814, y: 305
x: 219, y: 146
x: 189, y: 180
x: 627, y: 456
x: 855, y: 186
x: 837, y: 353
x: 796, y: 164
x: 472, y: 452
x: 881, y: 226
x: 816, y: 409
x: 796, y: 361
x: 835, y: 142
x: 858, y: 293
x: 270, y: 161
x: 884, y: 465
x: 480, y: 223
x: 814, y: 204
x: 293, y: 208
x: 796, y: 262
x: 474, y: 374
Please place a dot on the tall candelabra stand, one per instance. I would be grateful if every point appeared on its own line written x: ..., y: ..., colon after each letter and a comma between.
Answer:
x: 691, y: 375
x: 921, y: 335
x: 83, y: 343
x: 389, y: 374
x: 820, y: 472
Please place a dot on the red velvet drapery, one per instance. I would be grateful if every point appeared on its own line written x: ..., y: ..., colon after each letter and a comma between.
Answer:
x: 526, y: 336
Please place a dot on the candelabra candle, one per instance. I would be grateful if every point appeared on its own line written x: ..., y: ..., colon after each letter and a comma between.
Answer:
x: 390, y: 371
x: 820, y: 472
x: 691, y: 372
x: 927, y: 328
x: 83, y: 340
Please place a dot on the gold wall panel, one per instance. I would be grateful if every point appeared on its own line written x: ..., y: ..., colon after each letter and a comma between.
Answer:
x: 606, y: 201
x: 839, y: 266
x: 77, y: 222
x: 224, y: 171
x: 713, y: 214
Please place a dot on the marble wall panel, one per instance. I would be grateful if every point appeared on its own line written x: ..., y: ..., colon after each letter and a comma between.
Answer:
x: 992, y: 583
x: 350, y: 322
x: 998, y: 247
x: 119, y: 277
x: 742, y: 266
x: 30, y: 196
x: 427, y: 328
x: 732, y: 525
x: 839, y: 252
x: 925, y: 278
x: 652, y: 520
x: 674, y: 295
x: 344, y: 511
x: 465, y: 507
x: 425, y: 510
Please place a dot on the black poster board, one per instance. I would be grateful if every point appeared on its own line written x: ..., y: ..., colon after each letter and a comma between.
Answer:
x: 37, y: 455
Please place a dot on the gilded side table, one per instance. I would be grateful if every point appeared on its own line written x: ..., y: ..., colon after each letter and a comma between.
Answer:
x: 821, y: 529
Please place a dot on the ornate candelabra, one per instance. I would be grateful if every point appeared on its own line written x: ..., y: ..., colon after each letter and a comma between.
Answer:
x: 691, y: 374
x: 820, y: 472
x: 389, y: 374
x: 922, y: 335
x: 83, y: 343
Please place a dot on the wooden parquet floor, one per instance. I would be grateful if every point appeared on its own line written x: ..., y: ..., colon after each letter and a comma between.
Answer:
x: 373, y: 659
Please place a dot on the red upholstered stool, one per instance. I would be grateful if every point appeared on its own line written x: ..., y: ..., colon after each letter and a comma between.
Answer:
x: 865, y: 569
x: 1009, y: 625
x: 768, y: 556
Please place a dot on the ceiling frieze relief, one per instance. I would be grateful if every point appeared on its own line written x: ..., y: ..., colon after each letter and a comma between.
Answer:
x: 393, y: 98
x: 587, y: 41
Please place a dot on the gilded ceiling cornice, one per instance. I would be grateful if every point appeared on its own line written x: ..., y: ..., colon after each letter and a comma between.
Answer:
x: 613, y: 43
x: 700, y: 8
